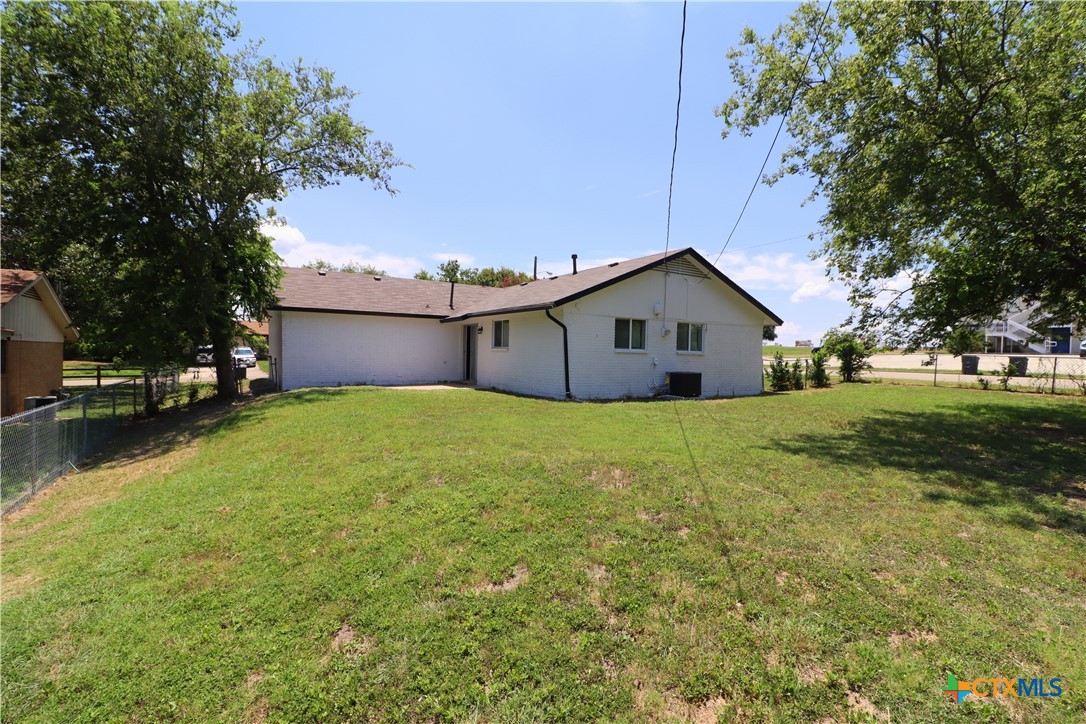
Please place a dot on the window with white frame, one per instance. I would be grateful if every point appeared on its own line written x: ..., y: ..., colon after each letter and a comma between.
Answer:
x: 629, y: 334
x: 501, y: 334
x: 689, y: 337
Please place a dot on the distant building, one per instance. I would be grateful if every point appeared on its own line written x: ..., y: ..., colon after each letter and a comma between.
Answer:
x: 804, y: 343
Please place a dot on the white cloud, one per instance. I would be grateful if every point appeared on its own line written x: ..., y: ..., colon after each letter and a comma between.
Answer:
x: 464, y: 259
x: 291, y: 243
x: 806, y: 279
x: 819, y: 290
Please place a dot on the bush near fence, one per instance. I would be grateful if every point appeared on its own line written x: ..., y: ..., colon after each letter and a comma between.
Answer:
x: 40, y: 445
x: 1044, y: 374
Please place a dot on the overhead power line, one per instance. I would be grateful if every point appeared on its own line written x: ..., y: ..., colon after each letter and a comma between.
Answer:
x: 675, y: 142
x: 784, y: 117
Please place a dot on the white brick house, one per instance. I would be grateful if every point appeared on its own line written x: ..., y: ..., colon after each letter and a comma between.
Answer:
x: 603, y: 333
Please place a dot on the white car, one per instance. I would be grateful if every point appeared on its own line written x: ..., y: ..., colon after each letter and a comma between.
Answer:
x: 243, y: 357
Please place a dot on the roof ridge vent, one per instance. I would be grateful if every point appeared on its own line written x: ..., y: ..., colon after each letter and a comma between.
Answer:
x: 614, y: 263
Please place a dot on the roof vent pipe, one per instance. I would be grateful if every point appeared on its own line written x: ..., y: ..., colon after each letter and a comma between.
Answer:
x: 452, y: 289
x: 322, y: 272
x: 574, y: 263
x: 535, y: 268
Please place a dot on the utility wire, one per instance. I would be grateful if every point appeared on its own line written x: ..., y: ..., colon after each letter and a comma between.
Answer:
x: 675, y: 142
x: 784, y: 117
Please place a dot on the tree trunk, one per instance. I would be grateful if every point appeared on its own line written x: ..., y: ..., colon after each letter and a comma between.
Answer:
x: 222, y: 340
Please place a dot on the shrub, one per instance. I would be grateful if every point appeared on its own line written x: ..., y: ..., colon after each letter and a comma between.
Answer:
x: 851, y: 352
x: 819, y: 377
x: 797, y: 375
x: 780, y: 377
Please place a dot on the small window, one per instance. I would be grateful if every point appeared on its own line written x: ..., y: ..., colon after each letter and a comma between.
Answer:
x: 501, y: 334
x: 689, y: 337
x: 629, y: 334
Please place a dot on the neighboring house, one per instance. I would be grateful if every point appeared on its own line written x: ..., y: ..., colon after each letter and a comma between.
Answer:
x: 260, y: 329
x: 603, y: 333
x: 33, y: 328
x: 1013, y: 333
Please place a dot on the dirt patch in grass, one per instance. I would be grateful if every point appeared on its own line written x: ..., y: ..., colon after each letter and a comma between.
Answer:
x: 15, y: 586
x: 520, y: 575
x: 912, y: 637
x: 346, y: 640
x: 258, y: 711
x: 611, y: 477
x: 598, y: 574
x: 810, y: 673
x: 860, y: 704
x: 649, y: 517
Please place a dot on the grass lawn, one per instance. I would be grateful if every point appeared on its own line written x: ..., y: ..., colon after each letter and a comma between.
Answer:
x: 768, y: 350
x: 361, y: 553
x: 83, y: 368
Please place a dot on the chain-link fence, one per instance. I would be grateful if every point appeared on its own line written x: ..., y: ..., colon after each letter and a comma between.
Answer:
x: 40, y: 445
x: 1046, y: 374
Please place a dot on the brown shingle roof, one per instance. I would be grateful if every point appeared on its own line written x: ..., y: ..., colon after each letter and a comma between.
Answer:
x: 554, y: 292
x: 260, y: 328
x: 306, y: 290
x: 345, y: 292
x: 13, y: 281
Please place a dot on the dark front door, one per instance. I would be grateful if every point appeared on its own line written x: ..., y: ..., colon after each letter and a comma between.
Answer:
x: 469, y: 352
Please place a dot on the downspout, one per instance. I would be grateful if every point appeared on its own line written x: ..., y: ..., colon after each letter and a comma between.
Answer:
x: 565, y: 349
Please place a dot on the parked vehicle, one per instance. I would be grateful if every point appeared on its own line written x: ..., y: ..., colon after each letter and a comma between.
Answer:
x: 1082, y: 348
x: 243, y: 357
x: 205, y: 355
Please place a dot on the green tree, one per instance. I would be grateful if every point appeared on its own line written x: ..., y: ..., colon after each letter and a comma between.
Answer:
x: 964, y: 340
x: 453, y: 271
x: 769, y: 333
x: 138, y: 159
x: 450, y: 271
x: 424, y: 275
x: 949, y: 143
x: 351, y: 267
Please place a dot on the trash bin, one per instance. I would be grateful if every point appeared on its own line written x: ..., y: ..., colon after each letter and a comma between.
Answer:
x: 970, y: 364
x: 240, y: 373
x: 1020, y: 365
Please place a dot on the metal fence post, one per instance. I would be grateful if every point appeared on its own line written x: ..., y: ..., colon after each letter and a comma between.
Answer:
x: 86, y: 427
x: 935, y: 377
x: 113, y: 393
x: 133, y: 397
x: 33, y: 451
x: 1055, y: 361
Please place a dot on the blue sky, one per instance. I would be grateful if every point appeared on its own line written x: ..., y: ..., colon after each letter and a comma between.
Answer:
x: 546, y: 130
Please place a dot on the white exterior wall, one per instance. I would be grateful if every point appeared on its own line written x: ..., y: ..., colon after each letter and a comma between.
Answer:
x: 275, y: 345
x: 731, y: 364
x: 532, y: 365
x: 324, y: 350
x: 30, y: 320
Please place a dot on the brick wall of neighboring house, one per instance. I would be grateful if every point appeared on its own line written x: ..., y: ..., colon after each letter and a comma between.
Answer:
x: 30, y: 369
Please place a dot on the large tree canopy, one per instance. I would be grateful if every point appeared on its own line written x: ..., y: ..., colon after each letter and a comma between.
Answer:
x: 949, y: 141
x: 140, y: 151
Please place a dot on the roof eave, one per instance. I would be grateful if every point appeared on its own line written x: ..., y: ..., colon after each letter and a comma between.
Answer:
x: 505, y: 310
